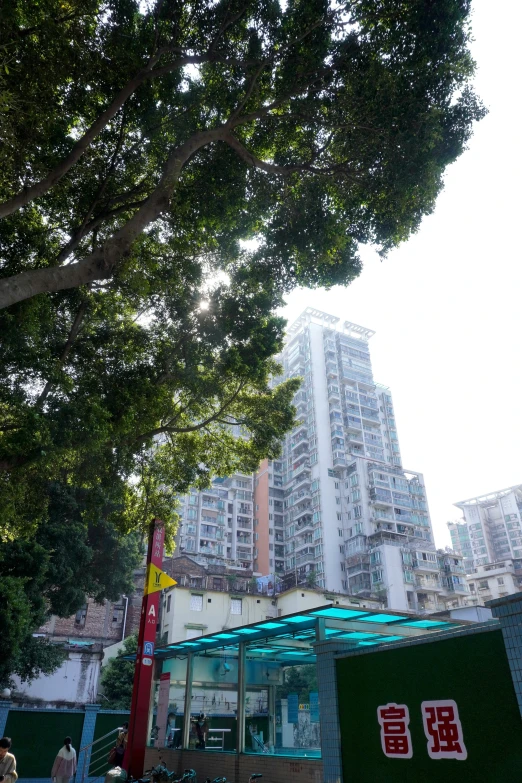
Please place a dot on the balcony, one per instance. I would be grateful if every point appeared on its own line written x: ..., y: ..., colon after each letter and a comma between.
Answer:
x: 369, y: 415
x: 425, y: 565
x: 304, y: 522
x: 382, y: 496
x: 428, y: 585
x: 303, y: 510
x: 305, y: 557
x: 379, y: 515
x: 303, y: 478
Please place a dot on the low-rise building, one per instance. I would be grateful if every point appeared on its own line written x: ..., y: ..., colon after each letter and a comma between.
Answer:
x: 493, y: 580
x: 206, y: 602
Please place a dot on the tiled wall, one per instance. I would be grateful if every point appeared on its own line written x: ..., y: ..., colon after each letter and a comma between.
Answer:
x: 509, y: 612
x: 238, y: 768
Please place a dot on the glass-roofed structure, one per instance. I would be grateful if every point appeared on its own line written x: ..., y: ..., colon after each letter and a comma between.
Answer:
x: 254, y: 689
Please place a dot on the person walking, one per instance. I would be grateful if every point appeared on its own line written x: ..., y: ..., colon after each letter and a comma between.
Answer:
x: 7, y: 762
x: 64, y: 765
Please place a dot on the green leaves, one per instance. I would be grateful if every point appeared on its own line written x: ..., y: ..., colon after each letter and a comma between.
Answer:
x: 118, y: 677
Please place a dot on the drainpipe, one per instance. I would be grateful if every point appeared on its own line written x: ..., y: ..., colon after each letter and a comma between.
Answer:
x: 124, y: 617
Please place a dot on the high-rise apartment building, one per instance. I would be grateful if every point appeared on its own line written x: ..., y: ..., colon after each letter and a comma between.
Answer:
x: 216, y: 525
x: 493, y: 526
x: 354, y: 520
x: 461, y: 542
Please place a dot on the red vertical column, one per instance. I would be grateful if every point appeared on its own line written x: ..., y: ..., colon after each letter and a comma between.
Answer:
x: 144, y: 670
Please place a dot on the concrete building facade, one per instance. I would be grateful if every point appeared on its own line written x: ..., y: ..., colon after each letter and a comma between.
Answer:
x: 206, y: 600
x: 493, y: 525
x: 492, y: 581
x: 217, y: 525
x: 355, y: 521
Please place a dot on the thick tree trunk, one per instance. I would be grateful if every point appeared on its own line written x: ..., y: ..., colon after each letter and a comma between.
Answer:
x: 100, y: 264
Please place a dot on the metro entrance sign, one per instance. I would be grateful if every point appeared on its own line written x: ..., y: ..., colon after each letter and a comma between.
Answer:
x: 144, y: 669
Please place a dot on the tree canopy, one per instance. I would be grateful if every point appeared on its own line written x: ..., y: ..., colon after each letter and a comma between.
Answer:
x: 312, y: 126
x: 168, y: 170
x: 53, y: 572
x: 117, y: 678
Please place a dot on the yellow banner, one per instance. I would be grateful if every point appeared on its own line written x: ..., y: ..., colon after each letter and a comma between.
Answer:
x: 157, y: 580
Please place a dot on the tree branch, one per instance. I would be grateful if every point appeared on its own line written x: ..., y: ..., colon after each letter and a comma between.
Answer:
x: 39, y: 188
x: 193, y: 428
x: 101, y: 263
x: 73, y: 334
x: 70, y: 246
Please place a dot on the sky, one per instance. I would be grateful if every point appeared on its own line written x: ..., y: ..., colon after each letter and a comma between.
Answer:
x: 447, y: 305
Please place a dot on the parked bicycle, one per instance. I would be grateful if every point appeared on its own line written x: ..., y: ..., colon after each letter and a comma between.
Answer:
x: 251, y: 779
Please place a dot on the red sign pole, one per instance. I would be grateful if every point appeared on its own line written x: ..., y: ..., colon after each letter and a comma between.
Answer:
x: 134, y: 759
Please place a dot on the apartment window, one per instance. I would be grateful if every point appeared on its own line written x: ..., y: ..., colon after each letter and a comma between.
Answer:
x: 169, y: 598
x: 341, y: 548
x: 117, y: 615
x: 484, y: 585
x: 271, y: 562
x: 336, y: 485
x: 338, y: 501
x: 356, y: 495
x: 271, y: 547
x: 339, y: 516
x: 500, y: 580
x: 236, y: 606
x: 343, y: 567
x: 357, y: 511
x: 339, y: 532
x: 81, y: 615
x: 196, y: 603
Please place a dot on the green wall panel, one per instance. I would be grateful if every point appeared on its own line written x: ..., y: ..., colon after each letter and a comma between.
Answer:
x: 472, y: 670
x: 38, y: 736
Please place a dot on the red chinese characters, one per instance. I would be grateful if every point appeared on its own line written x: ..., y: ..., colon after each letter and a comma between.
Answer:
x: 395, y: 735
x: 443, y: 730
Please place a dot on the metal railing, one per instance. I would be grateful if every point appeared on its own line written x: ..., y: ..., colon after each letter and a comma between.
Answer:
x: 93, y: 758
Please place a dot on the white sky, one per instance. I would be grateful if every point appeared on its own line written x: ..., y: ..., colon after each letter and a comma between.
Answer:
x: 446, y: 306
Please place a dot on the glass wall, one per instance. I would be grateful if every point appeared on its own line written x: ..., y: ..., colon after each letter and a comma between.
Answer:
x: 282, y: 706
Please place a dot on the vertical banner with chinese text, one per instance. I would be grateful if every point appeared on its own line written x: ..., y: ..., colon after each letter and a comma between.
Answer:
x: 144, y: 668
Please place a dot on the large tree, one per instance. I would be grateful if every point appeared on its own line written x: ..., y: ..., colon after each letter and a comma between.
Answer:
x: 311, y: 125
x: 141, y: 144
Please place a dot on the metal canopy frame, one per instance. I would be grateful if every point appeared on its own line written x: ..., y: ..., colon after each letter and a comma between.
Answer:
x: 290, y: 639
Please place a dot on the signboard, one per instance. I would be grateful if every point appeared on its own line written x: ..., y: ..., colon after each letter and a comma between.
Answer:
x: 163, y: 709
x: 157, y: 580
x: 444, y: 710
x: 134, y: 757
x: 293, y: 708
x: 314, y: 707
